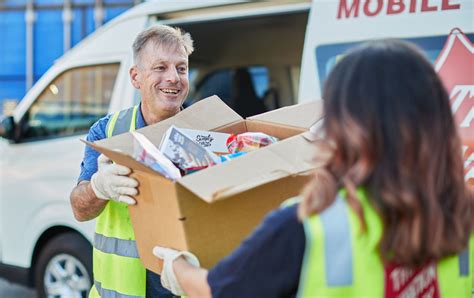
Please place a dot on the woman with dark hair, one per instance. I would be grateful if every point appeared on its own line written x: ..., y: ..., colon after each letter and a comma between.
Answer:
x: 389, y: 215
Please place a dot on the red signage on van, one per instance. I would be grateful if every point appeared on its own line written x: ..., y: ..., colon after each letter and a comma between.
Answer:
x: 371, y: 8
x: 455, y: 67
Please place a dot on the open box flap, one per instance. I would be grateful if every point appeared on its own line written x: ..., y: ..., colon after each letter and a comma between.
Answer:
x: 300, y: 115
x: 292, y: 156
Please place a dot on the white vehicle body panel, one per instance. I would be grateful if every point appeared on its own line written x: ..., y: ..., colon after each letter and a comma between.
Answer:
x: 36, y: 180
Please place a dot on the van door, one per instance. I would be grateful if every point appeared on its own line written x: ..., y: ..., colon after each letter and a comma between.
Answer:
x: 40, y: 167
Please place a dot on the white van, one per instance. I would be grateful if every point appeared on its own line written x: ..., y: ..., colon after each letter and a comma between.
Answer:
x: 249, y: 53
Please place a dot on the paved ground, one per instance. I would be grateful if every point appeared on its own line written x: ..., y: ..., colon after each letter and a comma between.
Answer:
x: 9, y: 290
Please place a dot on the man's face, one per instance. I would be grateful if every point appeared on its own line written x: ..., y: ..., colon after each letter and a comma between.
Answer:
x: 161, y: 75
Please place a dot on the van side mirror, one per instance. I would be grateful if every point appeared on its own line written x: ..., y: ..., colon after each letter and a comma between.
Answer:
x: 7, y: 128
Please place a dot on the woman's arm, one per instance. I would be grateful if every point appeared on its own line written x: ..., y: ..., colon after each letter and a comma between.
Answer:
x: 193, y: 280
x: 266, y: 264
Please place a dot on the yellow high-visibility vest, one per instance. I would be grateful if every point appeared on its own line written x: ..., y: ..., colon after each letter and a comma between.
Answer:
x: 342, y: 261
x: 118, y: 271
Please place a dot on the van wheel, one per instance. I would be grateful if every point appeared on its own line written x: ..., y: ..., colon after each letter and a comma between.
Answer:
x: 64, y: 267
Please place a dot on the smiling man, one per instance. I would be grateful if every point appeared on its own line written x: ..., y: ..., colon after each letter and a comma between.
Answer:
x: 104, y: 190
x: 161, y: 74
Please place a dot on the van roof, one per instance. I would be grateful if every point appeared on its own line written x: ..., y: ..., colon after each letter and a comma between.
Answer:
x: 170, y: 12
x: 166, y: 6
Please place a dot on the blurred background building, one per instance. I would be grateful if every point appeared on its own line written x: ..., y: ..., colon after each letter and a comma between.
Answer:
x: 34, y: 33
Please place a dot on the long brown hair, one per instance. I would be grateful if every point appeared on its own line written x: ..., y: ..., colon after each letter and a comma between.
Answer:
x: 390, y: 130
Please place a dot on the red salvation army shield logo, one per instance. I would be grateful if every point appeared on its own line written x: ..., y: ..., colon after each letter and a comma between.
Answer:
x: 455, y: 66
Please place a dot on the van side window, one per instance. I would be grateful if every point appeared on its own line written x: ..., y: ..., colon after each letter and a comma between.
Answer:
x: 241, y: 88
x: 71, y: 103
x: 215, y: 83
x: 328, y: 55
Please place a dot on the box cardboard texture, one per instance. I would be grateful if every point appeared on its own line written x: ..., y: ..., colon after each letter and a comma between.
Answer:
x: 211, y: 211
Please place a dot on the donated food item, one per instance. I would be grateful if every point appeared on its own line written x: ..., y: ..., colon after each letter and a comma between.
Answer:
x: 145, y: 152
x: 227, y: 157
x: 185, y: 152
x: 249, y: 141
x: 214, y: 141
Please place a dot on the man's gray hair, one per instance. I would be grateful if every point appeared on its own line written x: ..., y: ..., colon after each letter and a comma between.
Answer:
x: 162, y: 35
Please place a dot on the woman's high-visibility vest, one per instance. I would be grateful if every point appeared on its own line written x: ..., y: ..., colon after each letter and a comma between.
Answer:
x: 118, y: 271
x: 342, y: 261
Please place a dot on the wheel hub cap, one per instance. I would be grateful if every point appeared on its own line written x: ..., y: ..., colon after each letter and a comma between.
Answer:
x: 66, y: 276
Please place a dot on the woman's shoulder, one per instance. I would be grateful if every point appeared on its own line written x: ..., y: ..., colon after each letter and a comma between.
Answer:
x: 286, y: 215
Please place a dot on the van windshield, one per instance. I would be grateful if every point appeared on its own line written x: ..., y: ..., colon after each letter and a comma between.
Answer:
x: 328, y: 55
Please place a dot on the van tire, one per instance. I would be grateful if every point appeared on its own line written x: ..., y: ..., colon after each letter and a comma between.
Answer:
x: 69, y: 246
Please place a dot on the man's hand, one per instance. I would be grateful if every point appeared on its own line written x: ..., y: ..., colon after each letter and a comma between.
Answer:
x: 168, y: 277
x: 111, y: 182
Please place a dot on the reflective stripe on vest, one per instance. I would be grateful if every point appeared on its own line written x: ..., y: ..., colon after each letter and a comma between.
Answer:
x: 464, y: 263
x: 342, y: 261
x: 337, y: 250
x: 115, y: 252
x: 122, y: 122
x: 120, y: 247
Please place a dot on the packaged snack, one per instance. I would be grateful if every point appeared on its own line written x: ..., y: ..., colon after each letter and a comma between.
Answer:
x: 249, y: 141
x: 185, y: 152
x: 145, y: 152
x: 214, y: 141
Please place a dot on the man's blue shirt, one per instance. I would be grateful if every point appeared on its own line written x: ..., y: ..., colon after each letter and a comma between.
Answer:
x: 89, y: 167
x: 98, y: 132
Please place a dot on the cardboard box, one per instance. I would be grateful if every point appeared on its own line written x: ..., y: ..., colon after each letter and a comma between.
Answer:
x: 211, y: 211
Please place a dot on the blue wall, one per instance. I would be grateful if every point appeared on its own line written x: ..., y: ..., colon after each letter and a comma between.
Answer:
x: 12, y: 54
x: 48, y: 38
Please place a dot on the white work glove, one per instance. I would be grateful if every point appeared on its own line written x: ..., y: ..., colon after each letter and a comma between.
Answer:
x: 168, y: 278
x: 111, y: 183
